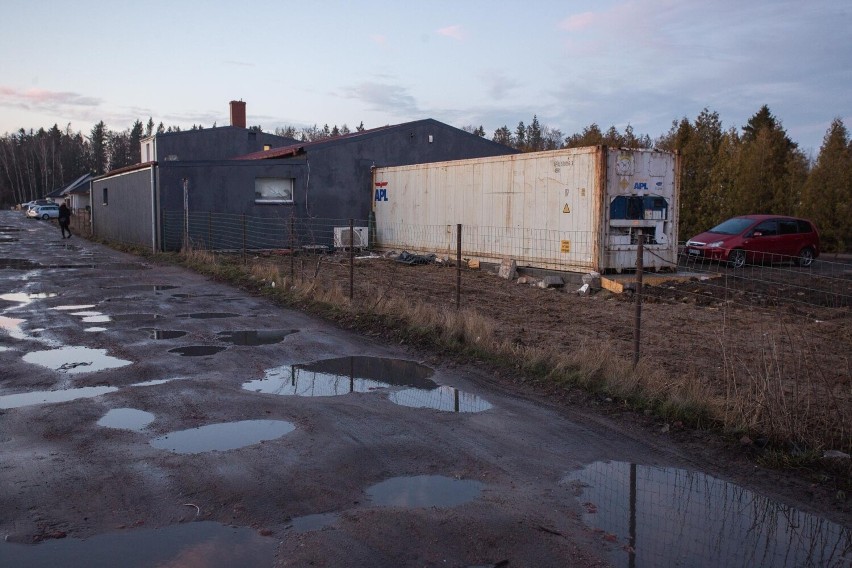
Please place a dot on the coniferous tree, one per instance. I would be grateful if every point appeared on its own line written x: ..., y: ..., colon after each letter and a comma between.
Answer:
x: 827, y: 196
x: 503, y: 136
x: 98, y: 155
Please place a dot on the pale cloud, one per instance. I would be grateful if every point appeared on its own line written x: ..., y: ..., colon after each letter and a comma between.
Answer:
x: 455, y: 32
x: 379, y: 39
x: 384, y: 97
x: 498, y: 84
x: 578, y: 22
x: 41, y: 99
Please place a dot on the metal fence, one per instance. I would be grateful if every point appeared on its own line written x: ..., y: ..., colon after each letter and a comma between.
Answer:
x: 772, y: 340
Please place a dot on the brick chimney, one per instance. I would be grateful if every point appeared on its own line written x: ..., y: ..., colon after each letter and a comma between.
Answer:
x: 238, y: 114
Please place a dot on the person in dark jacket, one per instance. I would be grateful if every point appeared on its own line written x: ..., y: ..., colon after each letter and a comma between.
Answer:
x: 65, y: 220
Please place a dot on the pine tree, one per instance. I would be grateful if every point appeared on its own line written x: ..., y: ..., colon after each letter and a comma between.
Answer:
x: 827, y: 196
x: 520, y: 138
x: 98, y: 154
x: 136, y: 142
x: 503, y: 136
x: 149, y: 129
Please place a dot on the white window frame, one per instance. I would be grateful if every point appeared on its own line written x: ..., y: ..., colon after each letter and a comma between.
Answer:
x: 268, y: 190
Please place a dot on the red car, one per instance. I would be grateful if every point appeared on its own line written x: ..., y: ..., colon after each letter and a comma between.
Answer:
x: 757, y: 239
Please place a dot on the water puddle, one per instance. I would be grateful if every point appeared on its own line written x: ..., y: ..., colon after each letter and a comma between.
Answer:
x: 51, y: 397
x: 316, y: 522
x: 424, y: 491
x: 73, y: 360
x: 155, y: 382
x: 197, y: 350
x: 73, y: 307
x: 333, y: 377
x: 207, y: 544
x: 444, y: 398
x: 18, y: 264
x: 137, y: 317
x: 126, y: 419
x: 8, y: 240
x: 658, y: 516
x: 209, y: 315
x: 25, y: 298
x: 163, y: 333
x: 94, y: 329
x: 257, y: 337
x: 12, y: 326
x: 139, y: 287
x: 222, y: 437
x: 92, y: 317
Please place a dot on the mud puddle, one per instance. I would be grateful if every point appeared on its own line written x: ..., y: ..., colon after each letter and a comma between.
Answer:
x: 197, y: 350
x: 126, y: 419
x: 448, y: 399
x: 209, y: 315
x: 255, y: 337
x: 19, y: 264
x: 92, y: 317
x: 222, y: 437
x: 23, y: 399
x: 25, y: 298
x: 343, y: 375
x: 656, y: 516
x: 73, y: 360
x: 424, y: 491
x: 207, y: 544
x: 160, y: 334
x: 316, y: 522
x: 137, y: 317
x: 139, y: 287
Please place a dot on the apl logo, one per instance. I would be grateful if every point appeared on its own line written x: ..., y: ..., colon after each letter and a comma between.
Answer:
x: 381, y: 191
x: 640, y: 185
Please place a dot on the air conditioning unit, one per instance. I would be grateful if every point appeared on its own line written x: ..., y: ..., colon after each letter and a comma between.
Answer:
x: 358, y: 238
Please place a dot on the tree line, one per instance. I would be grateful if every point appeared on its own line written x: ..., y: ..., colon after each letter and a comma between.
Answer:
x: 725, y: 172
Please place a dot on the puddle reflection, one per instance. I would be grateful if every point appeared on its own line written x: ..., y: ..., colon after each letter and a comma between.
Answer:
x: 126, y: 419
x: 73, y: 360
x: 209, y: 315
x: 223, y: 436
x: 673, y: 517
x: 51, y: 397
x: 442, y: 398
x: 197, y: 350
x: 160, y: 334
x: 424, y: 491
x: 255, y: 337
x: 205, y: 544
x: 316, y: 522
x: 333, y: 377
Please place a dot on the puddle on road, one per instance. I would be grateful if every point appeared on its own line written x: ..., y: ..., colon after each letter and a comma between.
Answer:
x: 139, y: 287
x: 255, y: 337
x: 92, y: 317
x: 444, y: 398
x: 343, y: 375
x: 206, y: 543
x: 94, y: 329
x: 51, y: 397
x: 73, y: 307
x: 137, y: 317
x: 223, y: 436
x: 672, y: 517
x: 162, y: 333
x: 73, y: 360
x: 8, y: 240
x: 316, y: 522
x: 26, y: 298
x: 424, y: 491
x: 209, y: 315
x: 126, y: 419
x: 19, y: 264
x: 197, y: 350
x: 155, y: 382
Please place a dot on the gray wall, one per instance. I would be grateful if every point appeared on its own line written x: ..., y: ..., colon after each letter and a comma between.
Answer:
x: 214, y: 143
x: 127, y: 217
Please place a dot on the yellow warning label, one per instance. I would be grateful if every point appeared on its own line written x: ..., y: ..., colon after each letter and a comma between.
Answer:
x: 565, y: 246
x: 566, y: 209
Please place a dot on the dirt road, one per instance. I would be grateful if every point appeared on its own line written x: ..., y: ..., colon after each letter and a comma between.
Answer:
x: 152, y: 416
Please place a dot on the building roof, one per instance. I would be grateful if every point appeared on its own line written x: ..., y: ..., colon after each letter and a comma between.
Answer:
x: 125, y: 169
x: 79, y: 185
x: 301, y: 147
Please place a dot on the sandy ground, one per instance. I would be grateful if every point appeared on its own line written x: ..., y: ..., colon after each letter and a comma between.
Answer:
x: 64, y: 477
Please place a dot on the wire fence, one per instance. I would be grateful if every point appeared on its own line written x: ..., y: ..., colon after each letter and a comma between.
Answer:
x: 773, y: 341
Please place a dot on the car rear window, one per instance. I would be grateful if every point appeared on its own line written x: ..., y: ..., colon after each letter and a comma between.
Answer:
x: 789, y: 226
x: 804, y: 226
x: 732, y: 226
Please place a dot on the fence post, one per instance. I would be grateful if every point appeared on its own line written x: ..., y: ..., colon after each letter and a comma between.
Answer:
x: 351, y: 259
x: 637, y: 326
x: 458, y: 264
x: 292, y: 251
x: 244, y: 238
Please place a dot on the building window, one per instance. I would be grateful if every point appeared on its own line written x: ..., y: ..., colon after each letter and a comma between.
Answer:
x: 267, y: 147
x: 106, y: 196
x: 273, y: 190
x: 148, y: 152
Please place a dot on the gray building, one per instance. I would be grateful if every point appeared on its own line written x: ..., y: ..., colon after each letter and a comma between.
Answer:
x: 201, y: 187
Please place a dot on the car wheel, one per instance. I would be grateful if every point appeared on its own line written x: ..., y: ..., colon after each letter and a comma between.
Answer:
x: 737, y: 258
x: 806, y: 257
x: 45, y: 216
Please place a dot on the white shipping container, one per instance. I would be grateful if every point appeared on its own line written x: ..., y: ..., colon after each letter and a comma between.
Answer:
x: 579, y: 209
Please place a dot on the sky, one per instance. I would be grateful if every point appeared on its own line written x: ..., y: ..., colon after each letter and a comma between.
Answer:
x: 492, y: 63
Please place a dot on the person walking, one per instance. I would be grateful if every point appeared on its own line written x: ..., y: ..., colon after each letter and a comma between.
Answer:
x: 64, y: 220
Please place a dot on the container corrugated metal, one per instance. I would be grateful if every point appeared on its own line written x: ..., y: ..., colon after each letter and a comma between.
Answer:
x: 544, y: 209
